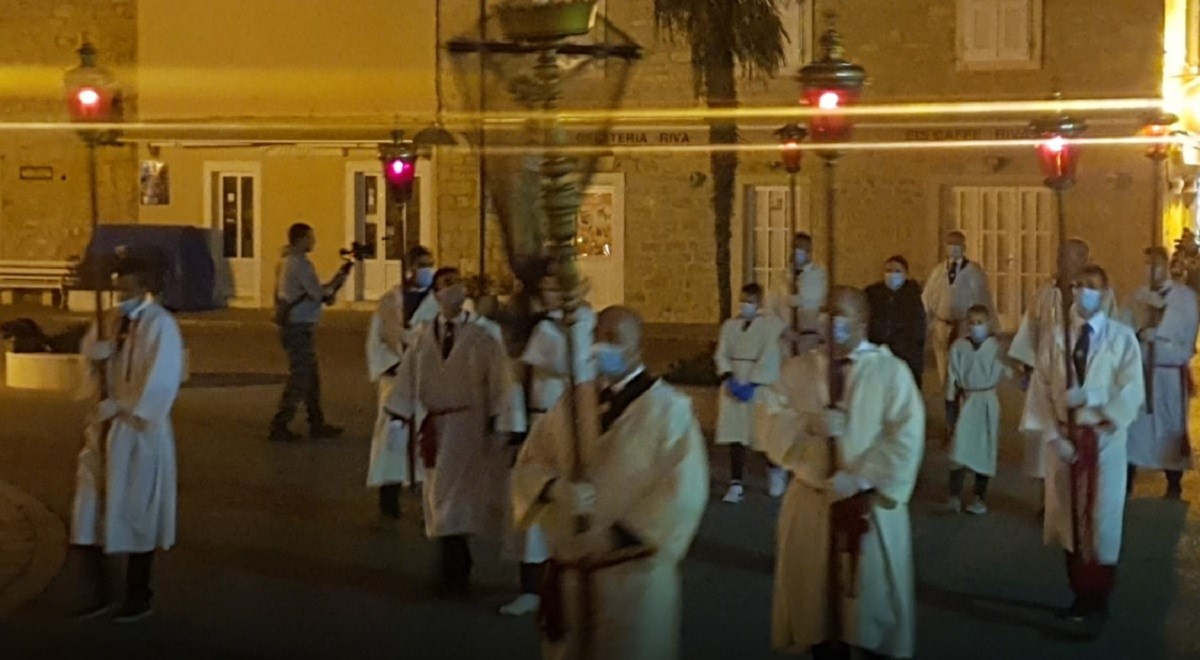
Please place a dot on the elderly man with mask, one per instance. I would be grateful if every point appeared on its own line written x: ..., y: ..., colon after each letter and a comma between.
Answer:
x: 898, y: 315
x: 854, y: 443
x: 1083, y: 417
x: 799, y: 305
x: 643, y: 491
x: 403, y: 312
x: 453, y: 386
x: 955, y: 285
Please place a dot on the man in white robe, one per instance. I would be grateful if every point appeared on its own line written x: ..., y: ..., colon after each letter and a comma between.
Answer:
x: 876, y: 426
x: 799, y: 304
x: 454, y: 386
x: 748, y: 360
x: 125, y: 484
x: 643, y: 491
x: 954, y: 286
x: 1167, y: 319
x: 1085, y: 474
x: 402, y: 313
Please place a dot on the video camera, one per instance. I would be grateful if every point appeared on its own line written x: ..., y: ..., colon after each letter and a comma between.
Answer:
x: 356, y: 252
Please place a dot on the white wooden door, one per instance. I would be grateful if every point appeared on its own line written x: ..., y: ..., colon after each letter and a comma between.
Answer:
x: 1011, y: 232
x: 769, y: 235
x: 232, y: 201
x: 601, y: 242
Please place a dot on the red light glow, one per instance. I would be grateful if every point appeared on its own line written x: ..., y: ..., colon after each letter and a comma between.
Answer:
x: 88, y: 97
x: 1055, y: 144
x: 829, y: 101
x: 398, y: 167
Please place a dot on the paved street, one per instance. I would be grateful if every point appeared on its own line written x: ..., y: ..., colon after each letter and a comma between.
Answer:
x: 281, y: 555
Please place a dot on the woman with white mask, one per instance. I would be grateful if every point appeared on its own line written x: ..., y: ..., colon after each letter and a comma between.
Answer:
x: 898, y: 315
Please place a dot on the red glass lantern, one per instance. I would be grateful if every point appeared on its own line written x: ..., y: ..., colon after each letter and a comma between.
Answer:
x: 91, y: 92
x: 399, y: 169
x: 1159, y: 128
x: 830, y: 85
x: 1057, y: 155
x: 790, y: 137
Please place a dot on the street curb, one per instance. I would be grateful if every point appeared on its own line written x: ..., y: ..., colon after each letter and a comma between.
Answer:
x: 49, y: 550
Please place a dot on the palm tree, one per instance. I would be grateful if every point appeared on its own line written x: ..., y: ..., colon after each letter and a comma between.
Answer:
x: 725, y: 35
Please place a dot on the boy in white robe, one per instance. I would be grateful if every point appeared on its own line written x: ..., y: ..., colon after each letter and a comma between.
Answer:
x: 799, y: 303
x: 643, y: 492
x: 125, y: 484
x: 402, y: 313
x: 1167, y: 318
x: 954, y: 286
x: 1085, y: 473
x: 747, y: 359
x: 973, y: 409
x: 875, y: 429
x: 454, y: 386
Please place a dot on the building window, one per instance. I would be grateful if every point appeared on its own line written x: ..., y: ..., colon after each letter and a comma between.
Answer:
x: 769, y: 239
x: 999, y: 34
x: 233, y: 213
x: 1010, y: 233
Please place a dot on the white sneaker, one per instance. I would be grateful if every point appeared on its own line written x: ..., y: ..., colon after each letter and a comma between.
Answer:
x: 735, y: 494
x: 522, y: 605
x: 953, y: 505
x: 776, y: 481
x: 977, y: 508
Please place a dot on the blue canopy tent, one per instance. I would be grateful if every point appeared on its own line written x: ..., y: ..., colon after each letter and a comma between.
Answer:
x: 184, y: 251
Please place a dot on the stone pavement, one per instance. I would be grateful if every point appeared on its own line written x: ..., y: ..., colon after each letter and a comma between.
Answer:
x: 33, y: 546
x: 281, y: 554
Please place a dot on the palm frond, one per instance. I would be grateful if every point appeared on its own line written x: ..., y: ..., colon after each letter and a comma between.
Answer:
x: 751, y: 30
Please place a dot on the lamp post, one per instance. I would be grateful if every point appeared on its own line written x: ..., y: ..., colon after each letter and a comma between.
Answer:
x: 1159, y: 127
x: 790, y: 137
x: 829, y: 85
x: 93, y: 97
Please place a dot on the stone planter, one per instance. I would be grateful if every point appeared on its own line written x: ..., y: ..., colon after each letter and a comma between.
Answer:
x: 54, y: 372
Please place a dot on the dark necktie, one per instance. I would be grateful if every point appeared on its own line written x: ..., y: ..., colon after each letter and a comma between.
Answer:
x: 447, y: 339
x: 1080, y: 356
x: 841, y: 369
x: 746, y: 324
x: 952, y: 272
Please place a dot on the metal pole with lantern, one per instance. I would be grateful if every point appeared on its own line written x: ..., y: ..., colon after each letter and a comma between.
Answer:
x: 93, y: 100
x: 828, y: 85
x: 1059, y: 158
x: 790, y: 137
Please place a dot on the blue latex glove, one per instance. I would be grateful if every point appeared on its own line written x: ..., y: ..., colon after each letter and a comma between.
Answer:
x: 733, y: 386
x: 746, y: 392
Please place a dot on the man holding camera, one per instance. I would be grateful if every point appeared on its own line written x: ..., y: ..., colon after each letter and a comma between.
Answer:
x: 299, y: 296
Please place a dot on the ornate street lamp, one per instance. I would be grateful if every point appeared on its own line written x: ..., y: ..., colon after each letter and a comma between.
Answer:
x: 93, y: 97
x: 829, y: 85
x: 1158, y: 127
x: 545, y: 48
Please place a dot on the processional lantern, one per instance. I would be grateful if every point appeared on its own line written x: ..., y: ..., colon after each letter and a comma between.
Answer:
x: 1057, y: 154
x: 1158, y: 127
x: 790, y: 152
x: 91, y: 92
x: 830, y: 85
x: 399, y: 160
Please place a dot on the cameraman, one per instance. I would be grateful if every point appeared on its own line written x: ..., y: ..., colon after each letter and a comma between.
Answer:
x: 299, y: 296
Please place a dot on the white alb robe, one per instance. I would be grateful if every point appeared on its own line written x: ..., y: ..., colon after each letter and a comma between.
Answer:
x: 464, y: 491
x: 388, y: 337
x: 749, y: 355
x: 125, y: 489
x: 800, y: 304
x: 973, y: 375
x: 883, y: 444
x: 1159, y: 441
x: 946, y: 305
x: 650, y: 472
x: 1039, y: 324
x: 1115, y: 390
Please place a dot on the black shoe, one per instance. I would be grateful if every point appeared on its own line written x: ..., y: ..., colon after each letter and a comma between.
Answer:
x: 284, y: 435
x: 324, y: 432
x: 133, y: 611
x: 1078, y: 612
x: 1174, y: 494
x: 96, y: 610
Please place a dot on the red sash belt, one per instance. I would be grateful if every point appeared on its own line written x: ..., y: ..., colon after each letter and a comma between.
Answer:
x: 849, y: 521
x: 427, y: 436
x: 552, y: 614
x: 1084, y: 477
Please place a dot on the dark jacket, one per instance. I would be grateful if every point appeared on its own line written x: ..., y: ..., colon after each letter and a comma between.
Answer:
x: 898, y: 322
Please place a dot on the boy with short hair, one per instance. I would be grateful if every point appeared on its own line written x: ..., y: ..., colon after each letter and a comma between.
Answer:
x: 973, y: 409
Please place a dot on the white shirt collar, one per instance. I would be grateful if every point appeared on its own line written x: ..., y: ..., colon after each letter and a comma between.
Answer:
x: 862, y: 349
x: 141, y: 307
x: 617, y: 387
x: 1099, y: 322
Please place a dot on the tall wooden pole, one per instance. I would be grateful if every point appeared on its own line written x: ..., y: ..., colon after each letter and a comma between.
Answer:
x: 834, y: 568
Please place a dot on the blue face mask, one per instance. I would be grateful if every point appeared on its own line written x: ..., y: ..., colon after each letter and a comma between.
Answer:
x: 1088, y: 300
x: 894, y: 280
x: 424, y: 277
x: 799, y: 257
x: 749, y: 310
x: 841, y: 330
x: 980, y: 332
x: 610, y: 359
x: 127, y: 306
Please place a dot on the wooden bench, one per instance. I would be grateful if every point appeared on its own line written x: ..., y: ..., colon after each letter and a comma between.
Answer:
x: 49, y: 277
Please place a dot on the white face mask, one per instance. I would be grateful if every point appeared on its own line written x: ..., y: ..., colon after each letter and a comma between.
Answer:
x: 956, y: 252
x: 980, y: 332
x: 749, y: 310
x: 800, y: 257
x: 894, y: 280
x: 842, y: 329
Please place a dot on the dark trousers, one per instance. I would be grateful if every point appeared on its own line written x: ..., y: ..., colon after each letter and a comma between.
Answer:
x: 737, y: 462
x: 958, y: 478
x: 1174, y: 480
x: 389, y: 500
x: 1091, y: 583
x: 532, y: 577
x: 138, y: 569
x: 828, y: 651
x: 455, y: 562
x: 304, y: 381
